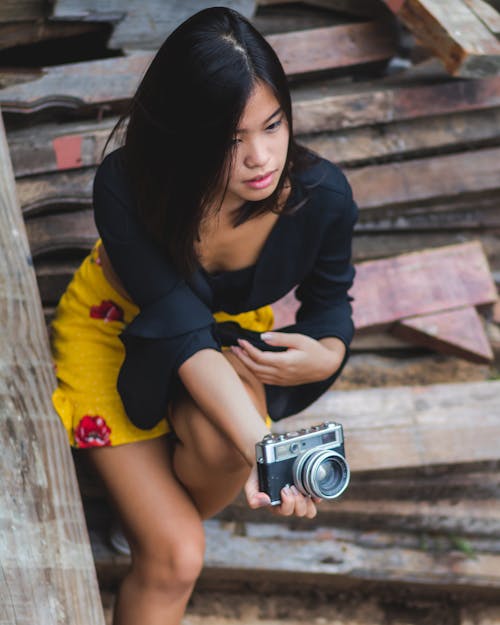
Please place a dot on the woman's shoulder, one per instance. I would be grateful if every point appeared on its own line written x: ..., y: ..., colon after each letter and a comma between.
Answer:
x: 325, y: 189
x: 111, y: 168
x: 111, y: 180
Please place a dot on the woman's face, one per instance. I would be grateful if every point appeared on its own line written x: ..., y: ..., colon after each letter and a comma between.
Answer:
x: 261, y: 145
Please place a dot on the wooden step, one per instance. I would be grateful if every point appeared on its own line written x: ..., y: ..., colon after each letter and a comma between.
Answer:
x: 246, y: 555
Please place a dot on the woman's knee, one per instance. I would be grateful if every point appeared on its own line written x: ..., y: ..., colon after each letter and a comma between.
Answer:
x: 169, y: 563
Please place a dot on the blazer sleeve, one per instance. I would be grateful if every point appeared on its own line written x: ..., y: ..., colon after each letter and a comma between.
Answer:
x: 325, y: 309
x: 173, y: 322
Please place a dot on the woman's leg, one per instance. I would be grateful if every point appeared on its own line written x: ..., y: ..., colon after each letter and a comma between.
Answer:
x: 162, y: 526
x: 206, y: 462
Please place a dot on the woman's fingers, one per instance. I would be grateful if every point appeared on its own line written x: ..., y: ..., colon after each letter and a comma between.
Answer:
x: 258, y: 369
x: 294, y: 503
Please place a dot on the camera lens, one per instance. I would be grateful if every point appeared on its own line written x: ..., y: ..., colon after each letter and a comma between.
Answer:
x: 323, y: 474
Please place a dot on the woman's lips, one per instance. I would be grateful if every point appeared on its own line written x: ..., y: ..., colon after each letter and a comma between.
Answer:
x: 260, y: 182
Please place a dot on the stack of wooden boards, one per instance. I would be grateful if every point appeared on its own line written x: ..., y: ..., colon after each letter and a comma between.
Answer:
x: 419, y: 140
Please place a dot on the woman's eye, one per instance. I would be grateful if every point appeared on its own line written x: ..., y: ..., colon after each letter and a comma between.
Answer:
x: 235, y: 141
x: 275, y: 125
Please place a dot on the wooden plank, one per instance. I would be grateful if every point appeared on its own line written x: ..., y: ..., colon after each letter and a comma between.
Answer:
x: 79, y: 85
x: 326, y: 558
x: 411, y: 426
x: 352, y: 7
x: 415, y: 138
x: 24, y: 33
x: 56, y: 147
x: 83, y: 85
x: 453, y: 33
x: 488, y: 15
x: 62, y: 231
x: 450, y: 176
x: 458, y: 332
x: 62, y: 189
x: 143, y: 24
x: 48, y: 575
x: 425, y: 282
x: 375, y: 105
x: 20, y: 10
x: 333, y: 47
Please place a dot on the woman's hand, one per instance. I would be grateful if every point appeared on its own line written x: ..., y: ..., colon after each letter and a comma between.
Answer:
x: 306, y: 359
x: 292, y: 501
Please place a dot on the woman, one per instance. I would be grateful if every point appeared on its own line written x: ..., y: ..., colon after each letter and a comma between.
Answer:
x: 167, y: 372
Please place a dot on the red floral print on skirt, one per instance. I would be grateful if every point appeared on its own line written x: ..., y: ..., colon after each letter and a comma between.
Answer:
x: 92, y: 432
x: 107, y: 310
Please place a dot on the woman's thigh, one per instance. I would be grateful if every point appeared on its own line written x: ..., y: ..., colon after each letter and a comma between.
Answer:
x: 158, y: 517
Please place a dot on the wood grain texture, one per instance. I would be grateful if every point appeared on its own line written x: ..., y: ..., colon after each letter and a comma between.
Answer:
x: 373, y: 105
x: 454, y: 33
x: 452, y: 177
x: 458, y: 332
x: 46, y: 566
x: 113, y: 81
x: 334, y: 46
x: 141, y: 24
x: 244, y: 554
x: 411, y: 426
x: 421, y: 283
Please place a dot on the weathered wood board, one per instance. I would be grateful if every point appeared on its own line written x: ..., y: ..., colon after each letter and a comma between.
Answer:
x: 447, y: 178
x: 333, y: 47
x: 459, y: 332
x: 25, y: 33
x: 421, y: 283
x: 20, y: 10
x: 48, y: 576
x: 374, y: 104
x: 453, y: 32
x: 326, y: 557
x: 53, y: 148
x: 113, y: 81
x: 411, y: 426
x: 143, y: 24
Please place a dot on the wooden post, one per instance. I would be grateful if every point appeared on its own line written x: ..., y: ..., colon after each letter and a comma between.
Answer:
x: 47, y: 570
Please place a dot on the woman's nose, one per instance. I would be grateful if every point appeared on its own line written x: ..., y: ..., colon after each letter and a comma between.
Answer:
x: 257, y: 154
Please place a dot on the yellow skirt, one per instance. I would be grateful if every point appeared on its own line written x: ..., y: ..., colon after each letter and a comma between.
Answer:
x: 88, y: 354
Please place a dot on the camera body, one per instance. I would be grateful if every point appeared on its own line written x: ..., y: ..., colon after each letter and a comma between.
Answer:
x: 313, y: 459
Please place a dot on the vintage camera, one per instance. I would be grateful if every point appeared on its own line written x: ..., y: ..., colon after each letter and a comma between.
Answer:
x: 313, y: 459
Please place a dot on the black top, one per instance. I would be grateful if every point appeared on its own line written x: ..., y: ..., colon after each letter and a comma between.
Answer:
x: 310, y: 248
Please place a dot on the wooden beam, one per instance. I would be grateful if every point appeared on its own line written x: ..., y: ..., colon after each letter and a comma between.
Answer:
x: 25, y: 33
x: 453, y: 33
x: 411, y: 426
x: 330, y: 558
x: 88, y: 84
x: 415, y: 138
x: 48, y: 575
x: 421, y: 283
x: 73, y: 145
x: 448, y: 177
x: 20, y: 10
x: 459, y: 332
x: 375, y: 105
x: 334, y: 47
x: 488, y: 15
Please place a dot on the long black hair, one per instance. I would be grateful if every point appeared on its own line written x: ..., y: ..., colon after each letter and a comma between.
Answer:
x: 178, y: 144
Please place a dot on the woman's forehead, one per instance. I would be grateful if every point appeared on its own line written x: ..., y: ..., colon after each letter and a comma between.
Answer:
x: 262, y: 105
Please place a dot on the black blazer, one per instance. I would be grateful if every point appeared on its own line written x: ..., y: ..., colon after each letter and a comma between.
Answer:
x: 310, y: 248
